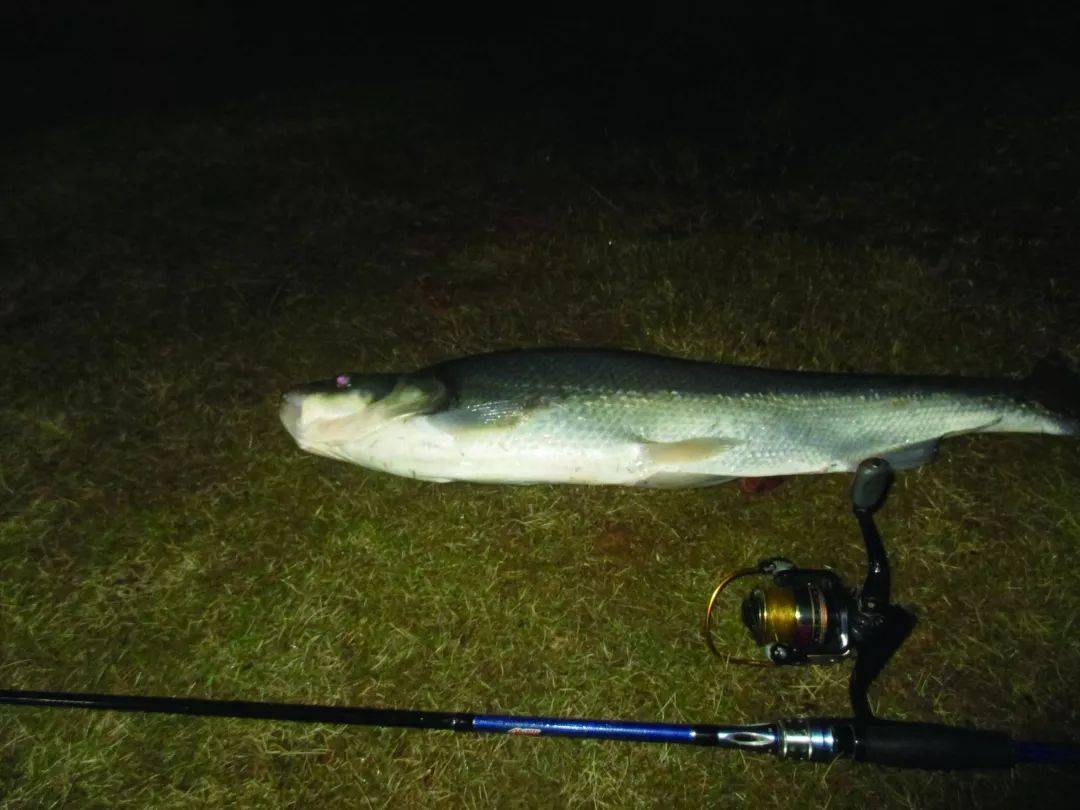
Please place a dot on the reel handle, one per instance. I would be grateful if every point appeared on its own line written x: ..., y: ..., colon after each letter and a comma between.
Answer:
x: 871, y: 485
x: 868, y: 493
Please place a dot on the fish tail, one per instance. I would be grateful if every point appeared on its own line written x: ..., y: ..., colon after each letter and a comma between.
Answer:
x: 1055, y: 386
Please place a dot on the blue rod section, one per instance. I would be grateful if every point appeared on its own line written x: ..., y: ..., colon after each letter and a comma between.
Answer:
x: 630, y: 731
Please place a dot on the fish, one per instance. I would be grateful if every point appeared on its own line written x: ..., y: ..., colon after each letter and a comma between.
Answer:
x: 606, y: 416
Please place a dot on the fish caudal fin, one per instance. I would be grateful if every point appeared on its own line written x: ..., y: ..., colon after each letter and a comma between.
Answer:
x: 1055, y: 385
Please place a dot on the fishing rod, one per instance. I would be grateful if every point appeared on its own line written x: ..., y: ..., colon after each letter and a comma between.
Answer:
x: 806, y: 616
x: 882, y: 742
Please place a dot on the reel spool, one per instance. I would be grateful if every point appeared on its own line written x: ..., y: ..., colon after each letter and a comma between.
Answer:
x: 803, y: 616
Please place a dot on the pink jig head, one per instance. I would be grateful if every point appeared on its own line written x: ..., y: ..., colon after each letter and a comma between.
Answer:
x: 343, y: 380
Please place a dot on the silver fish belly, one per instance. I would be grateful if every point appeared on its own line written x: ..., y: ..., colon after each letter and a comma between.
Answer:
x: 614, y: 417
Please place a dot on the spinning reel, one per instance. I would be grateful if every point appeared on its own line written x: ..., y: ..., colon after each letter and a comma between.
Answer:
x: 810, y: 616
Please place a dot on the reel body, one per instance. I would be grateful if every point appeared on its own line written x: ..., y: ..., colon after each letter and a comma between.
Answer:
x: 810, y: 616
x: 801, y: 616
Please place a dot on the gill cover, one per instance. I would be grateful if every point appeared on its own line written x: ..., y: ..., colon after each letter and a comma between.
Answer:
x: 331, y: 413
x: 410, y: 396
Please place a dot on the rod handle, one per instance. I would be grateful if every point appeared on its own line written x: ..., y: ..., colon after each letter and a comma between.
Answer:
x: 931, y: 746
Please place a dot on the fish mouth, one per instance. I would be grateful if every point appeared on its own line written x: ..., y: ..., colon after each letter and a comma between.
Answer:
x: 316, y: 431
x: 292, y: 408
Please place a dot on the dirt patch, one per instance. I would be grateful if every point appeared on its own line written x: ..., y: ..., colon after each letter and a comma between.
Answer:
x: 761, y: 486
x: 618, y: 542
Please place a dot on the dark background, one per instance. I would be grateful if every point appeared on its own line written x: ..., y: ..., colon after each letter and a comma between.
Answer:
x: 628, y: 64
x: 915, y: 126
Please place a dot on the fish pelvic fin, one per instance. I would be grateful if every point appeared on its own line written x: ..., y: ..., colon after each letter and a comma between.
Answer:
x: 688, y: 451
x: 674, y: 480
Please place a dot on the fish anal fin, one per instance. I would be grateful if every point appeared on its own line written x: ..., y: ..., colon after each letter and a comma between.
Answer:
x: 676, y: 480
x: 912, y: 455
x: 688, y: 451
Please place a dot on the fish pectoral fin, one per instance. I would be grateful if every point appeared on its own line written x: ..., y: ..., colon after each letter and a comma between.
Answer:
x: 687, y: 451
x: 413, y: 395
x: 498, y: 414
x: 912, y: 455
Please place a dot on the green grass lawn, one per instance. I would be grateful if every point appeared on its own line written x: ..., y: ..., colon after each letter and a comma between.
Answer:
x: 171, y: 274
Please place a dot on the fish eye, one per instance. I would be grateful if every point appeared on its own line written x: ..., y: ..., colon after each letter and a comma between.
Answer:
x: 358, y: 387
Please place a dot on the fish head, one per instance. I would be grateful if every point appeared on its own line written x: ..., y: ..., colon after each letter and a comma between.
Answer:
x: 327, y: 416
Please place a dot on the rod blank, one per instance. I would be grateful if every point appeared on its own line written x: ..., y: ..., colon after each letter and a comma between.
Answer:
x: 747, y: 737
x: 883, y: 742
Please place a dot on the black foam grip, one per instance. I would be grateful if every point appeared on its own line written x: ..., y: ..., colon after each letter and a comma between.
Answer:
x: 932, y: 746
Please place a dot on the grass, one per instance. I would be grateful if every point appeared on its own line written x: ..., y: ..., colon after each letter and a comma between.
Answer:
x: 171, y: 274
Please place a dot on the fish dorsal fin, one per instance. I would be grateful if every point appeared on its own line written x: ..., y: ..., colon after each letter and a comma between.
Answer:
x: 687, y: 451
